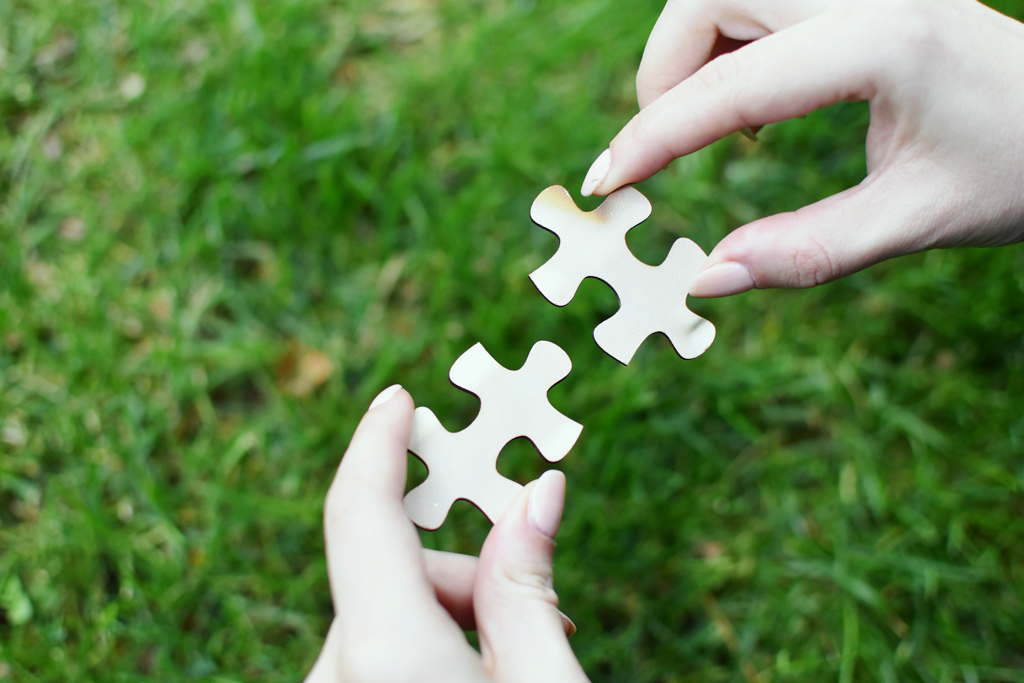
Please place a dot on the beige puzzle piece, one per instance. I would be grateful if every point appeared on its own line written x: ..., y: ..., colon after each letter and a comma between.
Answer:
x: 651, y: 298
x: 513, y: 403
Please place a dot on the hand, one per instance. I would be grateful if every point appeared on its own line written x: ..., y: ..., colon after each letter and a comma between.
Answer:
x: 400, y: 610
x: 945, y: 148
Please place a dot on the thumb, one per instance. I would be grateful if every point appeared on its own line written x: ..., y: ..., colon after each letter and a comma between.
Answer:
x: 884, y: 217
x: 522, y: 637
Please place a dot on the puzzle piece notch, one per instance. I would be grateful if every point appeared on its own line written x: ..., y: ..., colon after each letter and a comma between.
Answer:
x: 451, y: 477
x: 656, y: 307
x: 651, y: 298
x: 590, y: 244
x: 513, y: 404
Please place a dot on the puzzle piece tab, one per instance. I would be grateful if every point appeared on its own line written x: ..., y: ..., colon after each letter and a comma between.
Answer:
x: 593, y: 244
x: 513, y: 403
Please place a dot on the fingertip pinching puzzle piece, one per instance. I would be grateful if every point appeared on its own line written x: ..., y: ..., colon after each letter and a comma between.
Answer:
x: 513, y: 403
x: 593, y: 244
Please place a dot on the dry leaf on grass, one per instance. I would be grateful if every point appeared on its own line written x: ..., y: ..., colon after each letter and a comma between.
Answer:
x: 301, y: 370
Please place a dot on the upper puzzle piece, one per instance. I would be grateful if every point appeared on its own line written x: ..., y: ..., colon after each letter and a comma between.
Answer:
x: 513, y: 403
x: 651, y: 298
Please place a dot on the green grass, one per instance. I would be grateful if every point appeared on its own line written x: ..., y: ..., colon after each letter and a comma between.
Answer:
x: 196, y: 193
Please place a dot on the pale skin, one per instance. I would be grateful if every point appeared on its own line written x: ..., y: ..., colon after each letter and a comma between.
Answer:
x: 945, y: 147
x: 945, y: 155
x: 400, y: 610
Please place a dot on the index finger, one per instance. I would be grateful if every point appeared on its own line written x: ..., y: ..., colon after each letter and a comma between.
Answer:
x: 784, y: 75
x: 690, y: 33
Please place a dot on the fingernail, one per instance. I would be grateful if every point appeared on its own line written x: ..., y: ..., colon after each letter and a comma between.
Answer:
x: 570, y: 628
x: 722, y: 279
x: 385, y: 396
x: 598, y: 170
x: 546, y: 502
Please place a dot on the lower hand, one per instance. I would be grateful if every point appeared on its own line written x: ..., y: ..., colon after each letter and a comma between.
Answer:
x: 945, y: 148
x: 400, y: 610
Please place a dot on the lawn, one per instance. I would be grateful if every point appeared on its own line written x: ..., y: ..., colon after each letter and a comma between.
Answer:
x: 226, y: 225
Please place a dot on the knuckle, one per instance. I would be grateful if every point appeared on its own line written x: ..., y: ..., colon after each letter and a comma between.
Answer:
x: 530, y: 583
x: 899, y: 40
x: 642, y: 133
x: 909, y: 28
x: 812, y: 264
x: 720, y: 72
x: 914, y: 22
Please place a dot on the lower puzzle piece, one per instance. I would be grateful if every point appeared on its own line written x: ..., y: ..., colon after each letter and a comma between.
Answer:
x: 651, y: 298
x: 513, y: 403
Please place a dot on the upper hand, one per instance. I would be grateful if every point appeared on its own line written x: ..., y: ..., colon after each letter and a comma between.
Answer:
x: 945, y: 148
x: 400, y: 609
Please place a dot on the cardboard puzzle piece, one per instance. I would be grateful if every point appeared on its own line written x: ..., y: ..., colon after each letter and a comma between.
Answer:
x: 513, y: 403
x: 593, y: 244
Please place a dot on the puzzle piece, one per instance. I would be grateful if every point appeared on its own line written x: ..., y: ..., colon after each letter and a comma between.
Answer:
x: 651, y: 298
x: 513, y: 403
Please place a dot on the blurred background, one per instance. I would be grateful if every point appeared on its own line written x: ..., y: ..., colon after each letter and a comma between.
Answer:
x: 226, y: 225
